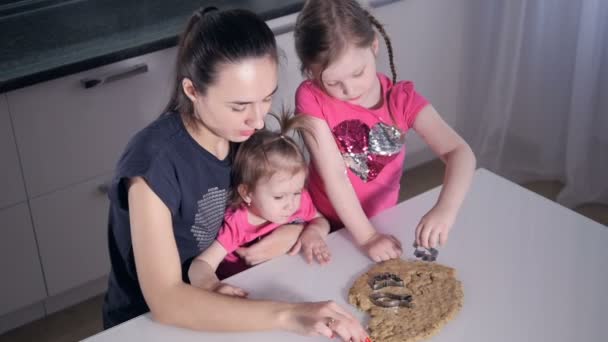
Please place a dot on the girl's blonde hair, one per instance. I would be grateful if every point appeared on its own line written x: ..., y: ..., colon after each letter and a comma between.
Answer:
x: 325, y: 28
x: 267, y: 152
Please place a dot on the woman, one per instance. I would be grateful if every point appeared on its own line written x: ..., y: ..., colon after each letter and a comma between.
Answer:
x: 169, y: 192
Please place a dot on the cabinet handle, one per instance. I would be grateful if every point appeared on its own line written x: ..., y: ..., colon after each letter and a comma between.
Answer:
x: 91, y: 82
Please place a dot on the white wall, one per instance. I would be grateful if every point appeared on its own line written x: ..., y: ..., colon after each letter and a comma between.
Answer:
x: 430, y: 40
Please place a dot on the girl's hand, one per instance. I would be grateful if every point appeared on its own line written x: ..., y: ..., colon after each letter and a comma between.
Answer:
x: 313, y: 246
x: 323, y: 318
x: 230, y: 290
x: 277, y: 243
x: 381, y: 247
x: 434, y: 227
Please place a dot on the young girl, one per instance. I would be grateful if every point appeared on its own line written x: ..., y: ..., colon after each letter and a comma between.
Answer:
x: 359, y: 118
x: 269, y: 175
x: 169, y: 192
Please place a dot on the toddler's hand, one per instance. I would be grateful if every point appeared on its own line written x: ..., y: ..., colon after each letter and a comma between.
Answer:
x: 230, y: 290
x: 312, y: 243
x: 434, y: 227
x: 381, y: 247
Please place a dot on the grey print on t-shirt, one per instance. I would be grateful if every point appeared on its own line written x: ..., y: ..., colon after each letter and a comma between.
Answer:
x: 209, y: 216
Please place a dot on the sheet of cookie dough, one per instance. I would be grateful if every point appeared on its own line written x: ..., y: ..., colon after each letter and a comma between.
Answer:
x: 437, y: 296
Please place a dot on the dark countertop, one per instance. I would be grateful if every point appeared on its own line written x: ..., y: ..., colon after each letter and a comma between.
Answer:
x: 41, y: 40
x: 65, y: 37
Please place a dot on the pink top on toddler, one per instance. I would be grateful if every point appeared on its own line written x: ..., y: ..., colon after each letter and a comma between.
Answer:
x: 238, y: 232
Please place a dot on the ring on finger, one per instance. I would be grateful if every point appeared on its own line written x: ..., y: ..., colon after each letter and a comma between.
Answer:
x: 331, y: 322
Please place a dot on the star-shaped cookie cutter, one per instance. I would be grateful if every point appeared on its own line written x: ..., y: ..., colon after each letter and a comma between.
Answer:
x: 391, y: 300
x: 385, y: 280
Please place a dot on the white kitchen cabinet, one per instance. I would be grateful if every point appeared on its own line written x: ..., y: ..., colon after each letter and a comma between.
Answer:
x: 429, y: 53
x: 429, y: 49
x: 22, y: 283
x: 71, y: 226
x: 11, y: 183
x: 67, y: 133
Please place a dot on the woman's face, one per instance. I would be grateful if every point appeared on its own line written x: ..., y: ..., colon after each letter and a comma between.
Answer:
x: 236, y: 104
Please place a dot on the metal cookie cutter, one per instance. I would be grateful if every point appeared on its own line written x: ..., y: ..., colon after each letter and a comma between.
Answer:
x: 390, y: 300
x: 425, y: 254
x: 385, y: 280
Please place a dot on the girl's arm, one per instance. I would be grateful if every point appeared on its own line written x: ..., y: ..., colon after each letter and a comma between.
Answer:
x: 277, y: 243
x: 460, y: 166
x: 320, y: 224
x: 330, y: 165
x: 174, y: 302
x: 202, y: 270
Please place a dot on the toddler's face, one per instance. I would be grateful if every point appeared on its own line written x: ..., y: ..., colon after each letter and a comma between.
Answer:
x: 352, y: 77
x: 277, y: 198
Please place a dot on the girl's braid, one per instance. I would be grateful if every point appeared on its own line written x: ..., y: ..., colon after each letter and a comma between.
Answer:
x: 387, y: 40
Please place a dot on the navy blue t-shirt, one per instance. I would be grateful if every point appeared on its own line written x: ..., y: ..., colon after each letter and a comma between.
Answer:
x: 191, y: 182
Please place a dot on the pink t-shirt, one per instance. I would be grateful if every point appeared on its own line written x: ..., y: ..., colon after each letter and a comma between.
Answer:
x: 238, y: 232
x: 372, y: 149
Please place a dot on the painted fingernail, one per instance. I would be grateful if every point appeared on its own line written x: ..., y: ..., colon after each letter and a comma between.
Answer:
x: 367, y: 339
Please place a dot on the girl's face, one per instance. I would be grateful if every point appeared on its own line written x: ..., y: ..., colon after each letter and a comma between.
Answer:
x: 277, y: 198
x: 352, y: 76
x: 236, y: 104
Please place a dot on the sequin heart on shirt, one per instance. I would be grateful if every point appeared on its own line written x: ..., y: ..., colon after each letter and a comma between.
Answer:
x: 366, y: 151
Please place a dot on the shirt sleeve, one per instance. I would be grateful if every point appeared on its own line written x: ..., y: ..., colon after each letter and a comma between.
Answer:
x: 406, y: 101
x: 230, y: 236
x: 307, y: 208
x: 307, y: 102
x: 156, y: 169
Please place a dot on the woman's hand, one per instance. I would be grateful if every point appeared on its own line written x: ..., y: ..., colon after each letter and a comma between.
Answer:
x: 323, y: 318
x: 380, y: 247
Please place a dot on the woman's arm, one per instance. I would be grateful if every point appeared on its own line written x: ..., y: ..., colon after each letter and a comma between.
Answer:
x: 330, y: 165
x: 173, y: 302
x: 460, y: 166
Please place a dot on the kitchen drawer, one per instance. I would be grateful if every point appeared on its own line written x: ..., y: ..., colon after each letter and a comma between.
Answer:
x: 71, y: 226
x: 22, y: 283
x: 11, y: 183
x: 67, y: 133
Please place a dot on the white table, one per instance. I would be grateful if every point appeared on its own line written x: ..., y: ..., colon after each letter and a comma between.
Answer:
x: 531, y: 269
